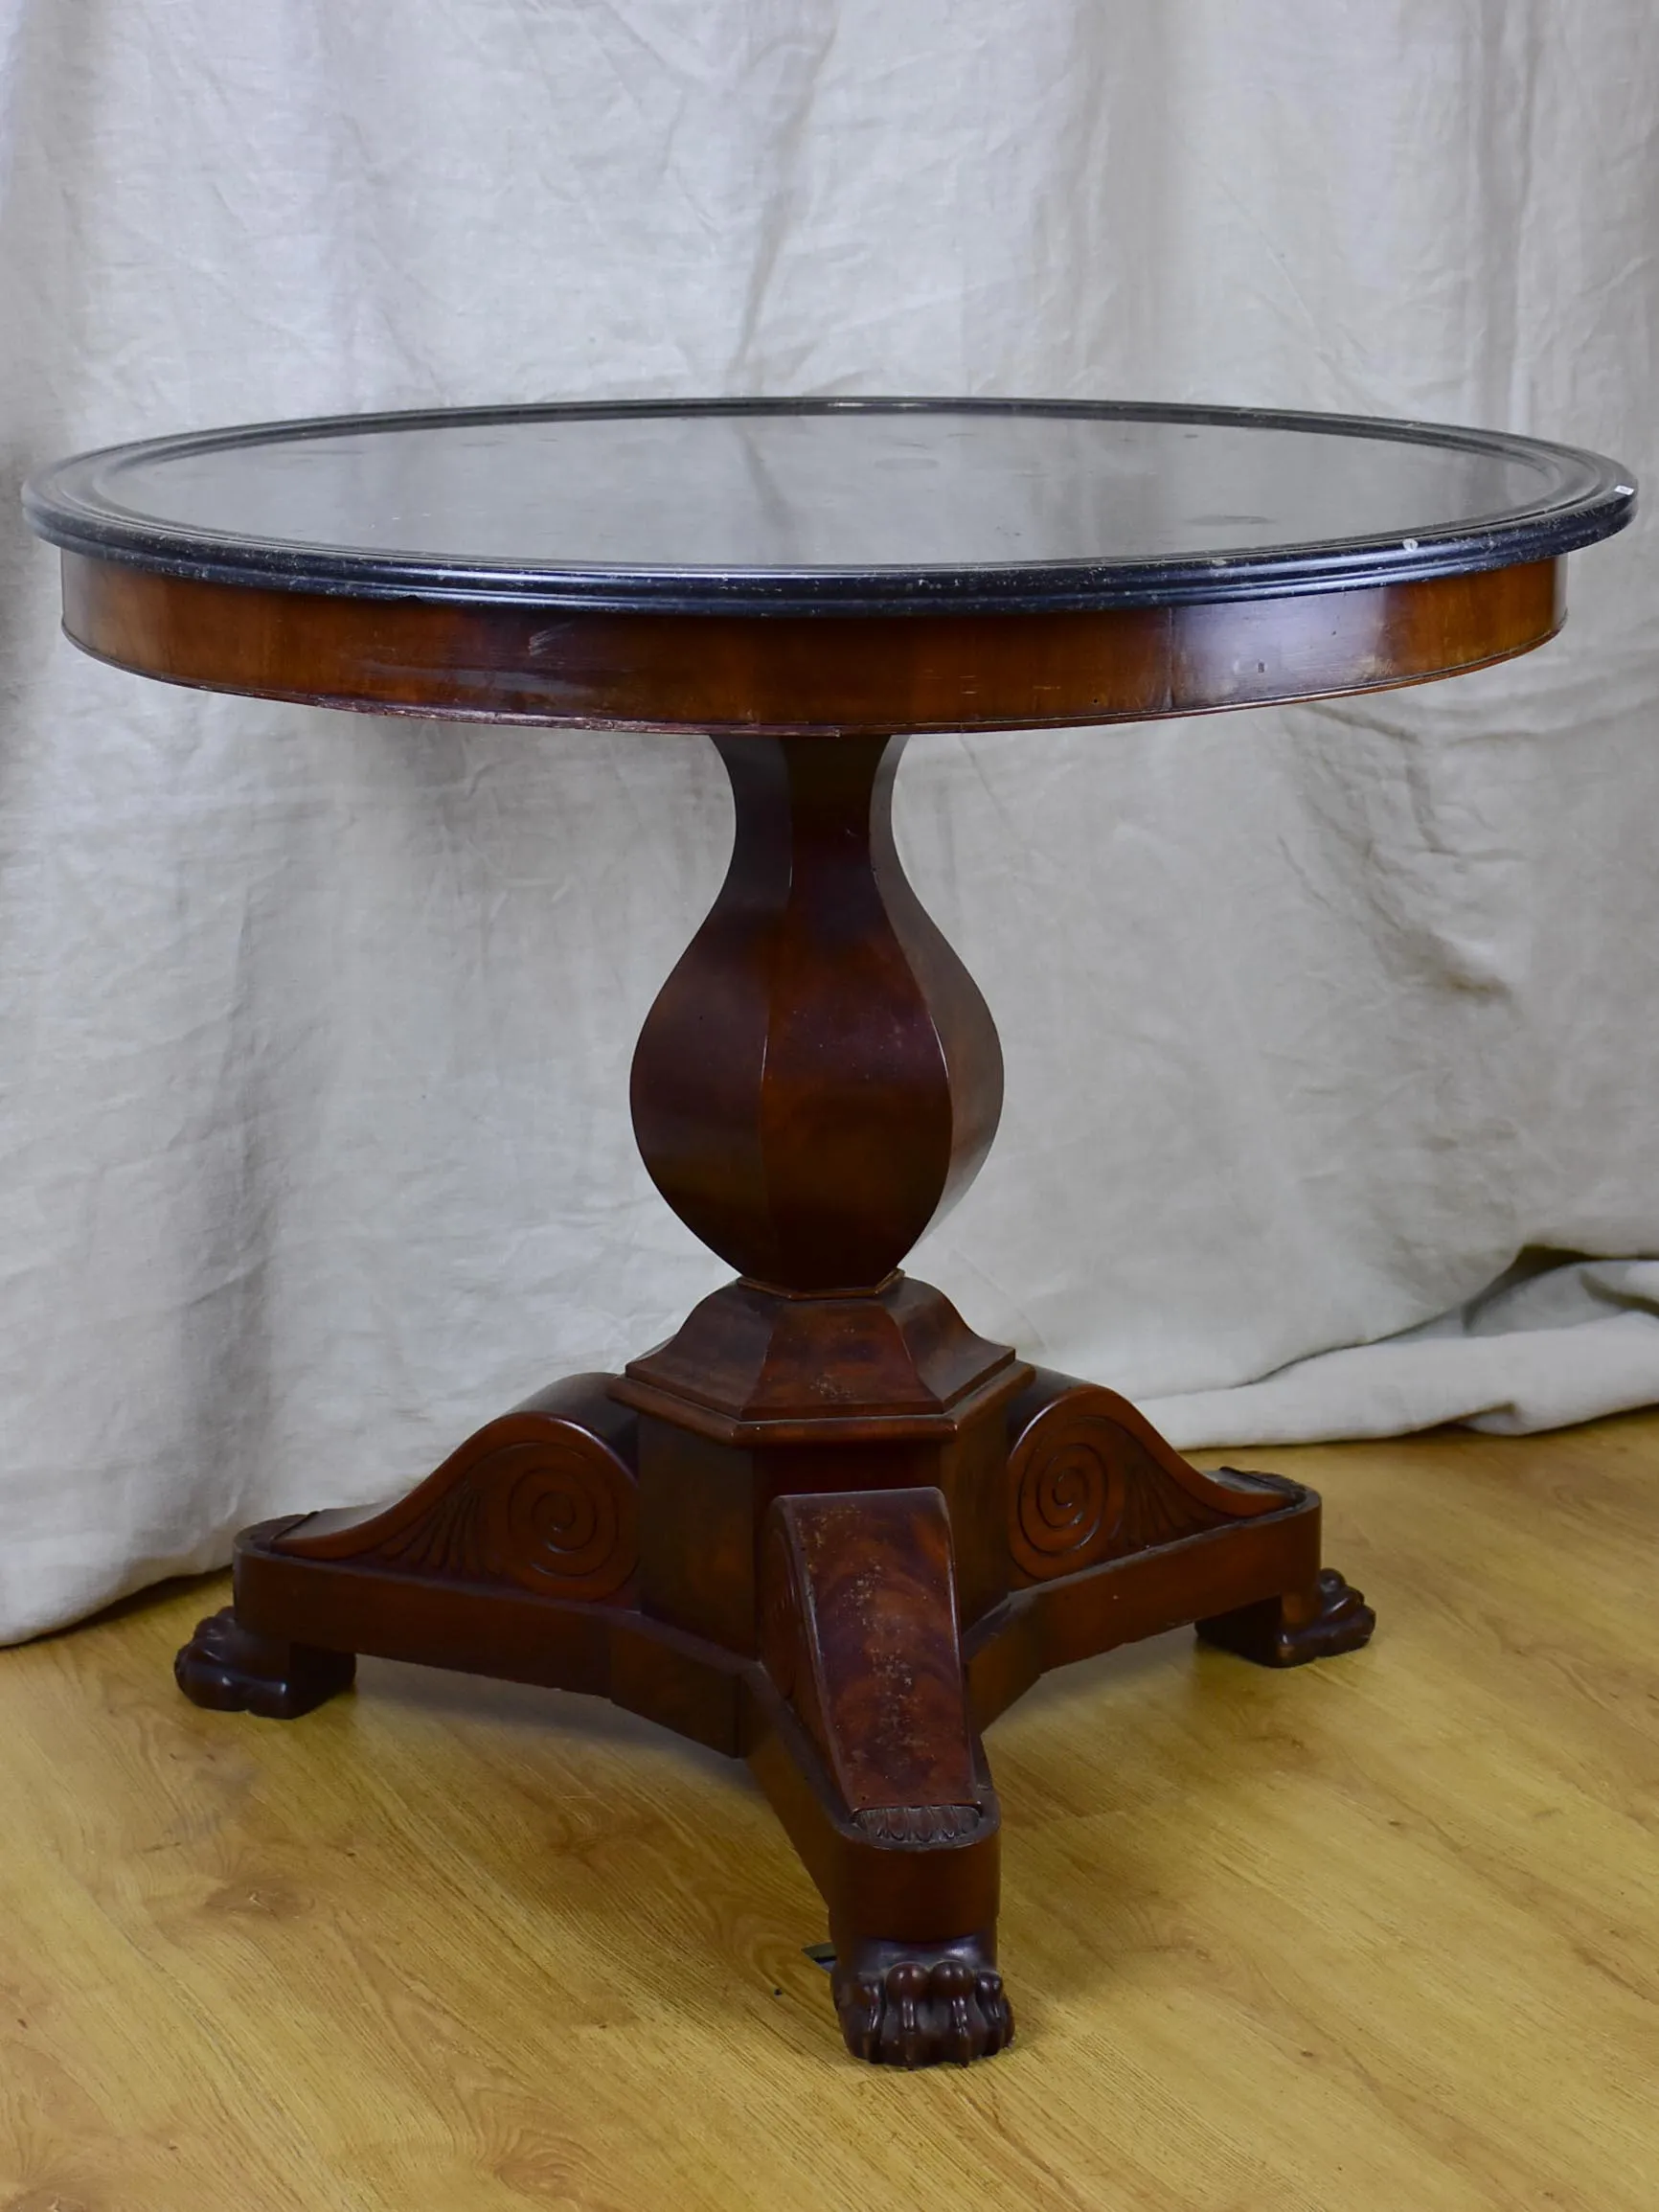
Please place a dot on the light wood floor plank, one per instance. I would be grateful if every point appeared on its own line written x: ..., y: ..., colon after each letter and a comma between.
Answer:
x: 1380, y: 1935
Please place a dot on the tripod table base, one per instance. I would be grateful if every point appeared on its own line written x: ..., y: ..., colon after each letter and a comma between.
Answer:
x: 845, y: 1599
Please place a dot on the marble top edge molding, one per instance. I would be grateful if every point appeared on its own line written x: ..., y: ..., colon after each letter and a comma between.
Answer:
x: 1583, y: 497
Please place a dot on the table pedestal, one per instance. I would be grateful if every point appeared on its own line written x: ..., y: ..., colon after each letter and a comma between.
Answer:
x: 825, y: 1527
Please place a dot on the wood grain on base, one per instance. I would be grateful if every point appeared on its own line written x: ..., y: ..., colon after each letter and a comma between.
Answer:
x: 1372, y: 1936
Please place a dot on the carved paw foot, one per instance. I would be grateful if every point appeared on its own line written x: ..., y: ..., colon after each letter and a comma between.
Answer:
x: 227, y: 1668
x: 918, y: 2004
x: 1286, y: 1632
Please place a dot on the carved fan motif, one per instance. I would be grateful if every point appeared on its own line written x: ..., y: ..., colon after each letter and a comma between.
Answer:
x: 1086, y: 1486
x: 533, y: 1499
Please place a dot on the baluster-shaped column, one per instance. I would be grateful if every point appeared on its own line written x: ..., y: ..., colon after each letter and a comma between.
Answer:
x: 819, y: 1077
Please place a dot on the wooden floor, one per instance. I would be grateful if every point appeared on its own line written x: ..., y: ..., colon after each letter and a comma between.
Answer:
x: 1379, y: 1935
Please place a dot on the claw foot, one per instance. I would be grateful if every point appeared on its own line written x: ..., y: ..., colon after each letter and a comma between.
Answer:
x: 1316, y: 1624
x: 228, y: 1668
x: 904, y: 2004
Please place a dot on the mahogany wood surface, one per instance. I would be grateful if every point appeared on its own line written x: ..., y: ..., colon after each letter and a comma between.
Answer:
x: 819, y: 1076
x: 825, y: 1527
x: 485, y: 661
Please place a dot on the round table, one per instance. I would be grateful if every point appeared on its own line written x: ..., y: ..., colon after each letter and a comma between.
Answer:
x: 825, y: 1527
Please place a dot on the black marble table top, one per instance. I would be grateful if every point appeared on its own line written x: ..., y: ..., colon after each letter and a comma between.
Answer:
x: 878, y: 505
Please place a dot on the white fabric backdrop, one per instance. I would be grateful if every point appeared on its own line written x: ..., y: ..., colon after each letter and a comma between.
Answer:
x: 316, y: 1028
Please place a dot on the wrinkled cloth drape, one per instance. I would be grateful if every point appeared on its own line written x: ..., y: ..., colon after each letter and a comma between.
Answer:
x: 1332, y: 1055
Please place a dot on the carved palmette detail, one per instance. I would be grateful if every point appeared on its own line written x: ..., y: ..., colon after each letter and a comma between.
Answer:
x: 540, y: 1498
x: 448, y: 1540
x: 1090, y: 1480
x: 917, y: 1823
